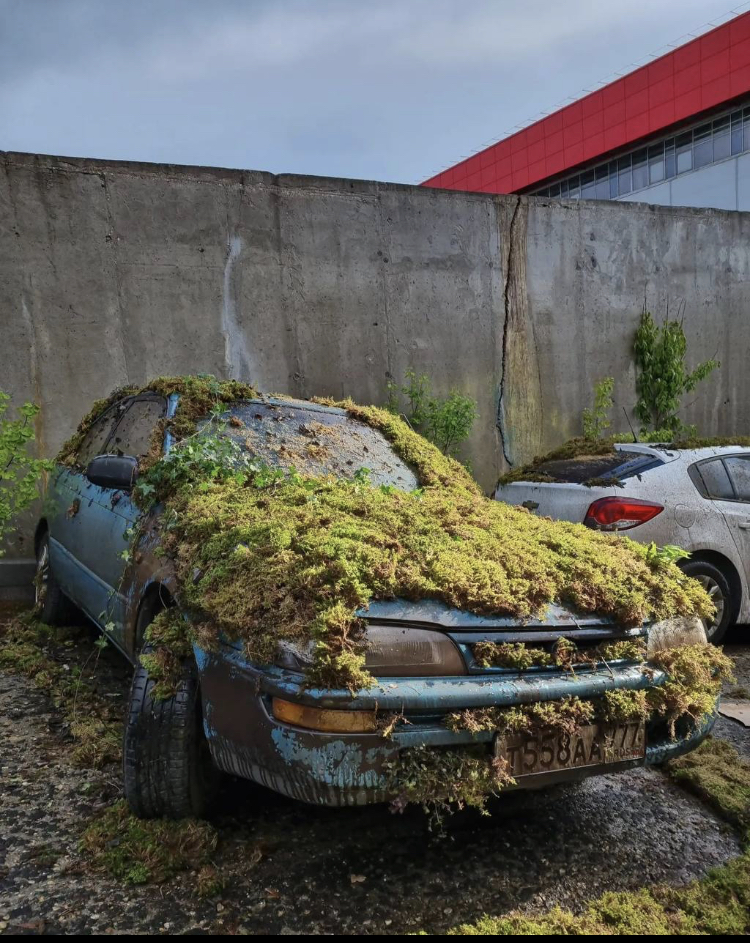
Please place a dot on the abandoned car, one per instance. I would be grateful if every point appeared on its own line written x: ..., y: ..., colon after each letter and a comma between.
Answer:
x: 694, y: 498
x: 525, y: 698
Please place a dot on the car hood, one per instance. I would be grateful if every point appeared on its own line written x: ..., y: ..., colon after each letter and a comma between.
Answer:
x: 432, y: 612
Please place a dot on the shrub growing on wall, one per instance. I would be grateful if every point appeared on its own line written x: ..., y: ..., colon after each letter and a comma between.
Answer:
x: 662, y: 376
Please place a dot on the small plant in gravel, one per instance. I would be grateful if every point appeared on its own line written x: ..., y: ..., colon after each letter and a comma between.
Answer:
x: 140, y: 851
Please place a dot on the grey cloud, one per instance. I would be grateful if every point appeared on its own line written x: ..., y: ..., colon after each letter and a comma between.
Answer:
x: 389, y: 90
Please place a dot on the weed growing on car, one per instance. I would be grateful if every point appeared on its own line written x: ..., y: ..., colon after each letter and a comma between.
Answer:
x: 139, y: 851
x: 36, y: 651
x: 716, y: 904
x: 265, y: 555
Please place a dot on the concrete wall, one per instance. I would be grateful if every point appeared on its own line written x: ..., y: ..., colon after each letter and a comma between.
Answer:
x: 114, y: 272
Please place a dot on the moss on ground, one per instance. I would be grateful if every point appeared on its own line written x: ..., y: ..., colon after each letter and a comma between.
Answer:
x: 716, y: 904
x: 139, y: 851
x: 268, y: 556
x: 33, y: 650
x: 717, y: 774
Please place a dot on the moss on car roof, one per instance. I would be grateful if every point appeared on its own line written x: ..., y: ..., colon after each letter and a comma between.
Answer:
x: 581, y: 449
x: 267, y: 555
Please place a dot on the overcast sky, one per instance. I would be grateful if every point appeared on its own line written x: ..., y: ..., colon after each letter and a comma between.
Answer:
x: 382, y: 89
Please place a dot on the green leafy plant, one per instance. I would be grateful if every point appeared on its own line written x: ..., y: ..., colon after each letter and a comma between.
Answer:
x: 595, y: 420
x: 662, y: 377
x: 19, y: 472
x: 445, y: 421
x: 669, y: 553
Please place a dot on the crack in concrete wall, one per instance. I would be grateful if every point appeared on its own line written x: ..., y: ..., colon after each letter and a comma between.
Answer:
x: 519, y: 409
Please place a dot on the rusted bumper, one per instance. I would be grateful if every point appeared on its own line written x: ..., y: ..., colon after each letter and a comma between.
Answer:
x: 352, y: 769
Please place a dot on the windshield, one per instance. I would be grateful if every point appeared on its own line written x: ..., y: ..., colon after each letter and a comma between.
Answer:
x: 316, y: 441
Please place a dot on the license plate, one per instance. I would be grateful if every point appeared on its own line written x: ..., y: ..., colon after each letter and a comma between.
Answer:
x: 593, y: 745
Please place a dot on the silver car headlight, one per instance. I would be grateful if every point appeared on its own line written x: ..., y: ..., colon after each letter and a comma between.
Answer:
x: 676, y: 633
x: 396, y: 651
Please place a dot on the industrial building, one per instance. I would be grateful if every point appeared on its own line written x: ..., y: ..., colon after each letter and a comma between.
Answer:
x: 675, y: 132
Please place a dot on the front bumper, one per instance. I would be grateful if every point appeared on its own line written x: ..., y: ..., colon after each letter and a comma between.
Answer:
x: 351, y: 769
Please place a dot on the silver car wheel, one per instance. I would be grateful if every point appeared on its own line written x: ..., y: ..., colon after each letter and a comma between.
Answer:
x: 41, y: 580
x: 717, y: 598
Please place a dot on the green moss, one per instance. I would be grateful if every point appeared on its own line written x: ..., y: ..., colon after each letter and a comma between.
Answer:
x: 199, y: 396
x: 719, y: 775
x: 443, y: 780
x: 718, y: 904
x: 566, y: 654
x: 35, y: 650
x: 264, y: 557
x: 574, y: 448
x: 140, y: 851
x: 695, y: 677
x: 509, y: 655
x: 581, y: 447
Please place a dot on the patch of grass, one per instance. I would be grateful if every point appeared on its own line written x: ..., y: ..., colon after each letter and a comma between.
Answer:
x: 33, y: 650
x: 717, y: 904
x: 139, y: 851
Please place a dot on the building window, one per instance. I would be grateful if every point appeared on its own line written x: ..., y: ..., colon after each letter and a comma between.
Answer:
x: 712, y: 141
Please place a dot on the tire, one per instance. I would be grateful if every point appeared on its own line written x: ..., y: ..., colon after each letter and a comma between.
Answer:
x: 717, y: 585
x: 167, y: 768
x: 52, y: 605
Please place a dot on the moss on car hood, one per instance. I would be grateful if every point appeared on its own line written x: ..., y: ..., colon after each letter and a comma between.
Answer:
x: 268, y: 557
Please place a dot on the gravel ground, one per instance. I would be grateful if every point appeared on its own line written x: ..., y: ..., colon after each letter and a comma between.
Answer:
x: 296, y: 869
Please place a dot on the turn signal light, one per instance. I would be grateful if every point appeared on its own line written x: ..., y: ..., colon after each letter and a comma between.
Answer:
x: 620, y: 513
x: 327, y: 721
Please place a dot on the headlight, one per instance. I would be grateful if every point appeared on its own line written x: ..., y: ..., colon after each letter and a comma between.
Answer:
x: 675, y: 633
x: 397, y: 652
x: 391, y: 651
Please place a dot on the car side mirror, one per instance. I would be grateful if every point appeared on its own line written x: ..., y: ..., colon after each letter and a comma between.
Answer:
x: 113, y: 471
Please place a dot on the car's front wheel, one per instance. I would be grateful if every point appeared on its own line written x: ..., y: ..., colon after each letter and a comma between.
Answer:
x: 168, y: 771
x: 716, y: 584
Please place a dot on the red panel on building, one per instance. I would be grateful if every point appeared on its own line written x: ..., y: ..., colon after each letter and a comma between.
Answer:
x: 705, y: 73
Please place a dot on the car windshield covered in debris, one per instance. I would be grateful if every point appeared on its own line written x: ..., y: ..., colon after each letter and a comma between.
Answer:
x: 316, y: 599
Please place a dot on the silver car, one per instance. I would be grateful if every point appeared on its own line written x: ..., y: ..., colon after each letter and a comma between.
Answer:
x: 697, y: 499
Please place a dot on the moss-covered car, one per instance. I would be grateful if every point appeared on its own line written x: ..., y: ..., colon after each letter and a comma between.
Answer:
x: 316, y: 599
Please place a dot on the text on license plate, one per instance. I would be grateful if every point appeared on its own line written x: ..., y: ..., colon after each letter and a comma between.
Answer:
x: 593, y: 745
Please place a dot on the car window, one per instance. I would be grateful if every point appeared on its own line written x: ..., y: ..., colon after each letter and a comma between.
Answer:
x: 738, y: 469
x: 132, y: 435
x: 317, y: 441
x: 583, y: 468
x: 712, y: 480
x: 95, y: 441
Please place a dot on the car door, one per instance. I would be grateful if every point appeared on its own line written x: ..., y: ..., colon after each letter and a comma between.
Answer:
x: 736, y: 510
x: 107, y: 516
x: 71, y: 505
